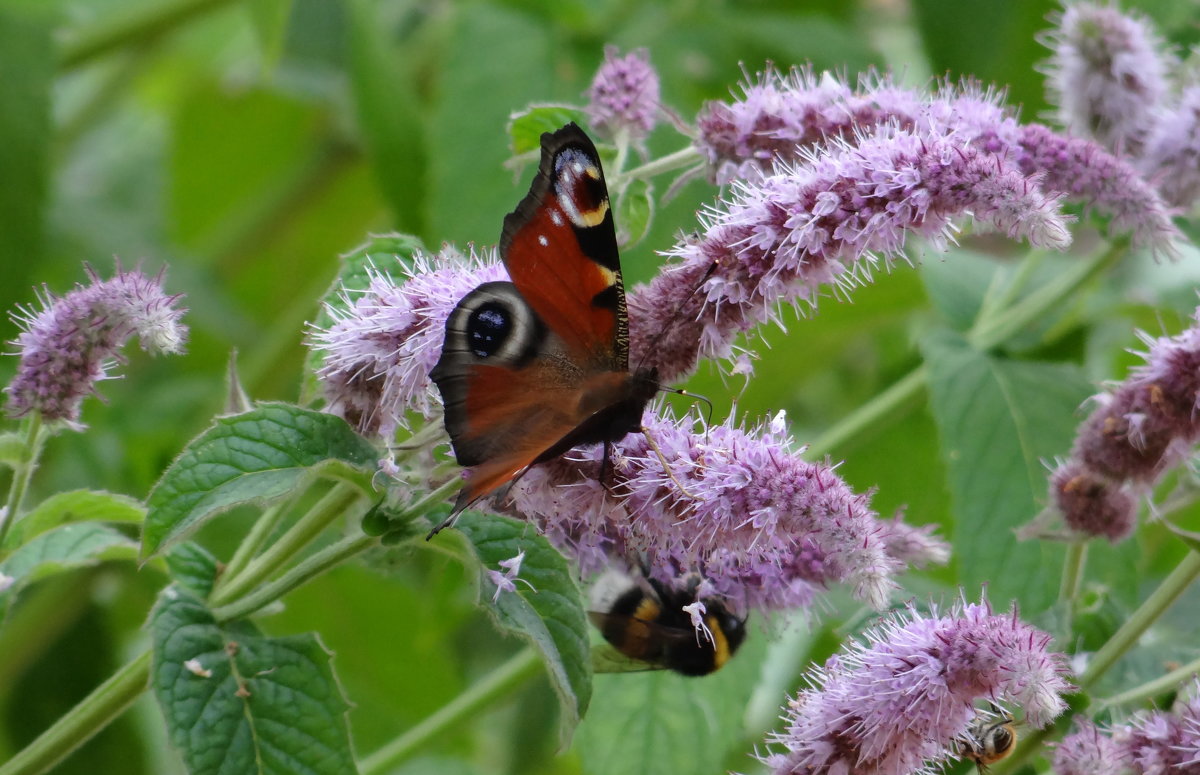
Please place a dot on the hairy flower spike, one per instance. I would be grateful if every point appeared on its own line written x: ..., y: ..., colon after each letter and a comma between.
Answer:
x: 1160, y: 743
x: 829, y: 221
x: 1106, y: 75
x: 624, y: 96
x: 379, y: 351
x: 71, y: 343
x: 1172, y: 154
x: 765, y: 528
x: 782, y: 116
x: 901, y: 700
x: 1088, y: 751
x: 1092, y: 505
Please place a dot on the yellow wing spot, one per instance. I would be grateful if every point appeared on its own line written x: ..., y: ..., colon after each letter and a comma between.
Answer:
x: 593, y: 217
x: 610, y: 277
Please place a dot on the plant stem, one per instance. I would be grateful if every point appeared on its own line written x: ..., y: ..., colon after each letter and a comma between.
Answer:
x: 83, y: 721
x: 308, y: 527
x: 138, y: 26
x: 1164, y: 683
x: 35, y: 438
x: 1146, y: 614
x: 498, y: 683
x: 1072, y: 576
x: 252, y: 543
x: 304, y: 571
x: 684, y: 157
x: 890, y: 404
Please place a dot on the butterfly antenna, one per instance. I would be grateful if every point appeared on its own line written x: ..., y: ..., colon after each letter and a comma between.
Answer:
x: 688, y: 394
x: 663, y: 461
x: 675, y: 318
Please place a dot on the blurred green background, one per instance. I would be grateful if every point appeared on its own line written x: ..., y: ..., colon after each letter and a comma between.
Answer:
x: 246, y: 144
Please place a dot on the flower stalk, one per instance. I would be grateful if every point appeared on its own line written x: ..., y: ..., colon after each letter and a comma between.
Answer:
x: 35, y: 439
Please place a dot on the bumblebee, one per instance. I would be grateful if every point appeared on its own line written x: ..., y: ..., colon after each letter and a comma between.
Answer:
x: 990, y: 739
x: 646, y: 621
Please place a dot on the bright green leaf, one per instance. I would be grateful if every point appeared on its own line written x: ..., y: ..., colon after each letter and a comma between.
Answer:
x: 62, y: 549
x: 76, y: 506
x: 251, y: 457
x: 549, y: 614
x: 635, y: 210
x: 238, y: 702
x: 525, y: 127
x: 999, y: 421
x: 270, y: 18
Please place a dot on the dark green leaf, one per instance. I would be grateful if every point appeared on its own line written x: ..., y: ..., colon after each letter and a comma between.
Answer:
x: 635, y: 210
x: 193, y: 566
x: 76, y: 506
x: 390, y: 114
x: 957, y: 285
x: 26, y: 70
x: 250, y: 457
x: 549, y: 615
x: 525, y: 127
x: 999, y: 420
x: 67, y: 547
x: 241, y: 703
x: 380, y: 253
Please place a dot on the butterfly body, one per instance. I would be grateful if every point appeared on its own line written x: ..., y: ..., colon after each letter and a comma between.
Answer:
x: 535, y: 366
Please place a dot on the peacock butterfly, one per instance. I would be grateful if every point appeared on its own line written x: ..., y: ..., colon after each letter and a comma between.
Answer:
x: 536, y: 366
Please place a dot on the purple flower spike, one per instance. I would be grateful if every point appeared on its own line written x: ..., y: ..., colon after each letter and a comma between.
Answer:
x: 1088, y: 751
x: 914, y: 546
x: 70, y: 344
x: 765, y: 528
x: 830, y: 221
x: 378, y: 353
x: 1106, y: 75
x: 624, y: 95
x: 902, y: 700
x: 1159, y: 743
x: 1172, y: 153
x: 1092, y: 505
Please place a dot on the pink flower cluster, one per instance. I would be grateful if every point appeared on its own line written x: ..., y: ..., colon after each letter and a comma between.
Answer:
x: 623, y: 97
x: 1140, y: 428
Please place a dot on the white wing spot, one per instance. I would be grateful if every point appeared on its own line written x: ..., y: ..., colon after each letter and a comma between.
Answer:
x: 555, y: 218
x: 543, y: 241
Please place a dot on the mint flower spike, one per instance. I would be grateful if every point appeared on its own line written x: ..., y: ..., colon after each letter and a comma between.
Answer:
x: 1106, y: 74
x: 1172, y: 154
x: 1088, y: 751
x: 833, y: 219
x: 1162, y: 743
x: 73, y: 341
x: 902, y: 699
x: 783, y: 116
x: 379, y: 349
x: 765, y: 529
x: 624, y: 95
x: 1140, y: 428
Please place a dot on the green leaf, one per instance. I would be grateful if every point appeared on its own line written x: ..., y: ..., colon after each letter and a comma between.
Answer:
x: 12, y: 449
x: 251, y: 457
x: 549, y: 615
x: 390, y: 113
x: 999, y: 420
x: 270, y: 18
x: 76, y: 506
x: 380, y: 253
x: 241, y: 703
x: 59, y: 550
x: 525, y: 127
x: 957, y: 284
x: 193, y: 566
x: 27, y: 72
x: 635, y: 210
x: 662, y: 722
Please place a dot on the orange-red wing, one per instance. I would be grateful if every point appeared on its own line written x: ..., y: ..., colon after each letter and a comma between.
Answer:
x: 560, y: 248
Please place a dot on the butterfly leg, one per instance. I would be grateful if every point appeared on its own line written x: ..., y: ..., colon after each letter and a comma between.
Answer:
x: 667, y: 468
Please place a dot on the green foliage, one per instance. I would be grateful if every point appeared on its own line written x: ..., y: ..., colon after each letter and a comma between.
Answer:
x: 251, y: 457
x: 60, y: 550
x: 235, y: 701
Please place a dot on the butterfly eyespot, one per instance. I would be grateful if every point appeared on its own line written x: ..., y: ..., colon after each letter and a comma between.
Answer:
x: 487, y: 329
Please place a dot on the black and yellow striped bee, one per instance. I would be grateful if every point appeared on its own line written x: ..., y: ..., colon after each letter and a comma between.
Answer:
x: 991, y: 738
